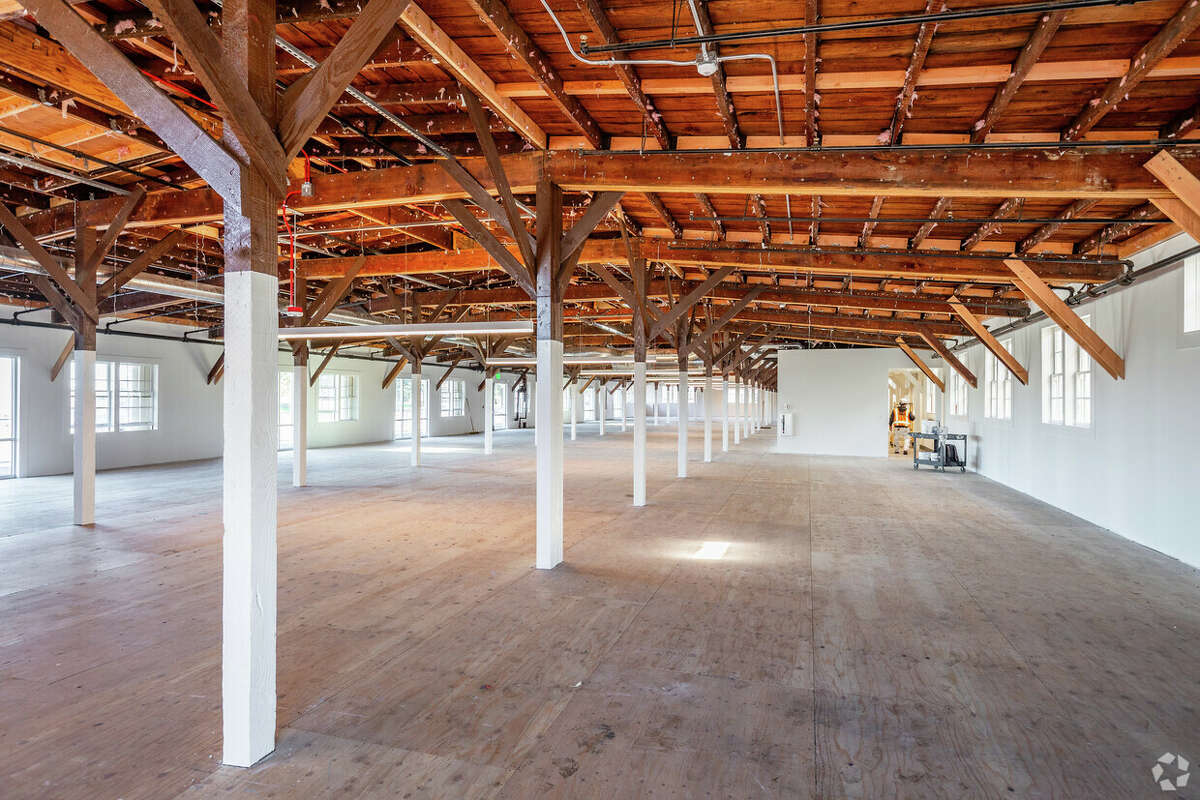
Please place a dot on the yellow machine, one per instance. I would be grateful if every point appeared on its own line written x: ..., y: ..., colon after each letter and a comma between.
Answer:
x: 900, y: 424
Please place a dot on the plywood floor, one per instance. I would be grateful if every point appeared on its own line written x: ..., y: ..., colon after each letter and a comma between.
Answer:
x: 869, y: 632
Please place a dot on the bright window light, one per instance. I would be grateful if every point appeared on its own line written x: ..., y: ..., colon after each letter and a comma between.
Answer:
x: 712, y: 550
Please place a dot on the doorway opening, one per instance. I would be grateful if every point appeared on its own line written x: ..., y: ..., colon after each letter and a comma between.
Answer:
x: 913, y: 407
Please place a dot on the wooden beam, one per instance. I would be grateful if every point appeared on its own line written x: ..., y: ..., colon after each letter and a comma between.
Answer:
x: 307, y: 101
x: 702, y: 338
x: 1135, y: 219
x: 446, y: 374
x: 1043, y: 32
x: 139, y: 264
x: 1175, y: 176
x: 719, y: 83
x: 948, y: 356
x: 1073, y: 211
x: 1066, y: 318
x: 661, y: 210
x: 1169, y: 36
x: 242, y: 114
x: 811, y: 113
x: 455, y: 60
x: 989, y: 341
x: 391, y: 373
x: 1006, y: 209
x: 329, y: 354
x: 180, y: 132
x: 63, y: 357
x: 916, y: 63
x: 1182, y: 215
x: 1184, y: 123
x: 79, y: 298
x: 491, y: 246
x: 218, y: 368
x: 916, y: 359
x: 332, y: 293
x: 687, y: 301
x: 940, y: 209
x: 132, y: 201
x: 1111, y: 173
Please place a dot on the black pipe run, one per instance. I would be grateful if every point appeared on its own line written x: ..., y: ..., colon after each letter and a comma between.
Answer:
x: 937, y: 220
x: 854, y: 25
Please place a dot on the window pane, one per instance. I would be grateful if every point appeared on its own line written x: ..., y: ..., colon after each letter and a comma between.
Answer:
x: 327, y: 398
x: 1191, y: 294
x: 136, y: 397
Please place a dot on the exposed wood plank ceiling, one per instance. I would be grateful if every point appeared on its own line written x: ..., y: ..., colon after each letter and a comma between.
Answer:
x: 1113, y: 73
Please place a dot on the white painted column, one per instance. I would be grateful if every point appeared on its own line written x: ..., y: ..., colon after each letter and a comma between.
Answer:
x: 300, y: 424
x: 746, y: 410
x: 549, y: 453
x: 624, y: 408
x: 724, y: 413
x: 84, y: 445
x: 574, y: 407
x: 251, y: 433
x: 683, y: 423
x: 489, y: 400
x: 737, y: 411
x: 656, y: 402
x: 639, y: 433
x: 707, y: 416
x: 754, y: 416
x: 414, y: 453
x: 602, y: 405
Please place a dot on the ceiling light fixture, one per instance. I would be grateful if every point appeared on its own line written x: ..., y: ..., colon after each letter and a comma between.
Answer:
x: 507, y: 328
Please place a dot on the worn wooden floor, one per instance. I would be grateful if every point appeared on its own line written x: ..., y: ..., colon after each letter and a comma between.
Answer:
x: 863, y: 631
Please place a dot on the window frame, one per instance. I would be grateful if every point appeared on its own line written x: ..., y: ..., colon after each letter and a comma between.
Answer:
x: 1068, y: 387
x: 997, y: 385
x: 113, y: 396
x: 453, y: 394
x: 334, y: 403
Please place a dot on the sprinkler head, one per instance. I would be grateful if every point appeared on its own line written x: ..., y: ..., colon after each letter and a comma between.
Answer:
x: 293, y: 311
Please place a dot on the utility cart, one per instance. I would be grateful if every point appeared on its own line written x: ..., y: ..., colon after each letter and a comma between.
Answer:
x: 949, y: 450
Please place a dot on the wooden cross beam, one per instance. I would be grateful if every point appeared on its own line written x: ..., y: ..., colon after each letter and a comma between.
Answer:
x: 989, y: 341
x: 449, y: 369
x: 687, y: 301
x: 63, y: 358
x: 1067, y: 319
x: 1184, y: 207
x: 703, y: 337
x: 312, y: 381
x: 393, y: 372
x: 948, y: 356
x: 218, y: 369
x: 916, y: 359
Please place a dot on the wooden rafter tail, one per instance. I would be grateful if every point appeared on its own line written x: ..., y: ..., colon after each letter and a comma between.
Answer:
x: 312, y: 381
x: 1066, y: 318
x: 989, y: 341
x: 1184, y: 208
x: 393, y: 372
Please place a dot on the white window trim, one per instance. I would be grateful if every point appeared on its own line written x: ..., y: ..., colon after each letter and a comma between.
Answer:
x: 1071, y: 357
x: 114, y: 382
x: 447, y: 392
x: 1190, y: 264
x: 1001, y: 383
x: 340, y: 418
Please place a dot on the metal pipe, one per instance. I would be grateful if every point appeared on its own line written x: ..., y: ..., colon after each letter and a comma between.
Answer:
x: 939, y: 220
x: 852, y: 25
x: 85, y: 157
x: 868, y: 251
x: 61, y: 173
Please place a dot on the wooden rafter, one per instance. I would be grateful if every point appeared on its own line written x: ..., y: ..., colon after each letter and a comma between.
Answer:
x: 948, y: 356
x: 1073, y: 211
x: 1135, y: 219
x: 920, y: 362
x: 1169, y: 36
x: 1006, y: 210
x: 1066, y: 318
x: 1184, y: 208
x: 989, y: 341
x: 1037, y: 43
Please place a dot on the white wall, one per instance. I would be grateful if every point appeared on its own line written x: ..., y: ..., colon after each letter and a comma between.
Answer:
x: 189, y: 410
x: 1135, y: 471
x: 838, y: 399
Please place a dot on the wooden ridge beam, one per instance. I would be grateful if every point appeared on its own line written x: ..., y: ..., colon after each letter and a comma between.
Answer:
x: 1066, y: 318
x: 989, y: 341
x: 920, y: 362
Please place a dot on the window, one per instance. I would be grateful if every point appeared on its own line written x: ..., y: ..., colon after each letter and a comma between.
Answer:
x: 402, y: 428
x: 499, y: 406
x: 589, y: 405
x: 454, y: 398
x: 126, y: 397
x: 997, y: 386
x: 958, y: 394
x: 337, y: 397
x: 930, y: 397
x: 8, y: 416
x: 287, y: 420
x: 1191, y: 293
x: 1066, y: 379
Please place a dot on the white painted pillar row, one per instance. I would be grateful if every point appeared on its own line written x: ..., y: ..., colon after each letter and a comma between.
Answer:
x: 84, y: 445
x: 656, y: 402
x: 251, y: 433
x: 624, y: 408
x: 724, y: 413
x: 574, y: 408
x: 414, y: 453
x: 683, y: 423
x: 745, y: 410
x: 549, y: 453
x: 300, y: 424
x: 737, y: 411
x: 639, y: 433
x: 602, y: 405
x: 707, y: 416
x: 489, y: 400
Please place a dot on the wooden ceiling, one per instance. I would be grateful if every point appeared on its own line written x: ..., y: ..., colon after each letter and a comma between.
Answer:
x: 1127, y: 73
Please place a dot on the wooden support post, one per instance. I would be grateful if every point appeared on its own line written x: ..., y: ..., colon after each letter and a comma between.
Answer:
x: 549, y: 373
x: 489, y: 399
x: 724, y: 412
x: 989, y: 341
x: 84, y: 442
x: 921, y: 365
x: 251, y: 399
x: 1057, y: 309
